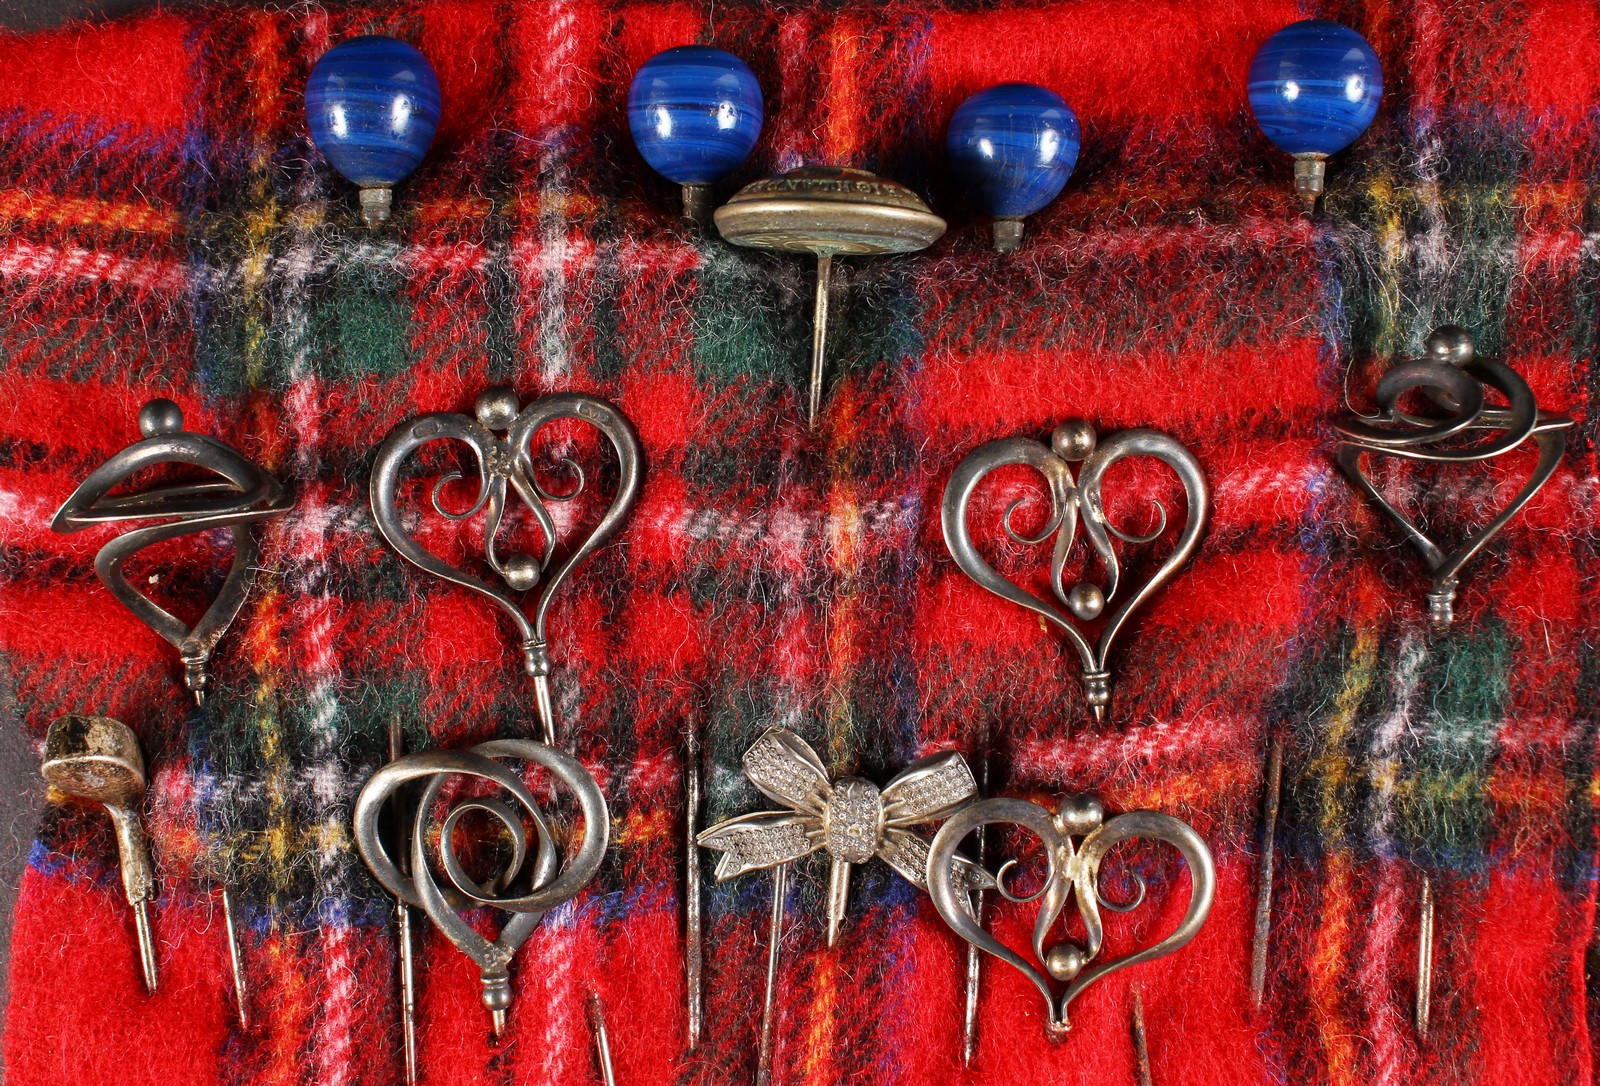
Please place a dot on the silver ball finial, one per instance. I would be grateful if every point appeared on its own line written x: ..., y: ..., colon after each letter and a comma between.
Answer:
x: 160, y: 417
x: 1449, y: 343
x: 1074, y: 440
x: 497, y: 408
x: 1079, y: 815
x: 1065, y: 961
x: 1086, y: 601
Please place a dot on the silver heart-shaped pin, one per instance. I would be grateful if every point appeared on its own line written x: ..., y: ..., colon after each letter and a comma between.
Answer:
x: 439, y: 886
x: 1072, y: 874
x: 1075, y: 442
x: 1453, y: 379
x: 240, y: 497
x: 502, y: 462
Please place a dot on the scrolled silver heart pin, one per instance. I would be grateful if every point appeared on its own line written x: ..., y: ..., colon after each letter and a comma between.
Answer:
x: 236, y: 498
x: 501, y: 439
x: 1462, y: 428
x: 1077, y: 837
x: 1075, y: 442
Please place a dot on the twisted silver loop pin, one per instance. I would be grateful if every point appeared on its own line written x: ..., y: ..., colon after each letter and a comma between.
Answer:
x: 526, y: 887
x: 1075, y: 442
x: 1072, y: 874
x: 242, y: 496
x: 1453, y: 379
x: 504, y: 461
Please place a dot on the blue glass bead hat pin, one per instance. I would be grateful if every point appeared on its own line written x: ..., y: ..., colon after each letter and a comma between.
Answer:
x: 695, y: 113
x: 1013, y: 147
x: 1314, y: 88
x: 372, y: 105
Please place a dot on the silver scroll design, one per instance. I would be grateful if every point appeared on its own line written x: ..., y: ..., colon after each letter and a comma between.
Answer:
x: 1466, y: 429
x: 505, y: 463
x: 1072, y: 874
x: 438, y: 883
x: 1075, y: 442
x: 241, y: 496
x: 851, y: 817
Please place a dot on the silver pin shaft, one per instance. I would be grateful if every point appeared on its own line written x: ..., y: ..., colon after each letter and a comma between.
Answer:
x: 1425, y: 959
x: 694, y: 951
x: 969, y: 1030
x: 1269, y: 833
x: 819, y: 335
x: 407, y: 959
x: 769, y: 1005
x: 1141, y: 1039
x: 241, y: 991
x: 147, y: 944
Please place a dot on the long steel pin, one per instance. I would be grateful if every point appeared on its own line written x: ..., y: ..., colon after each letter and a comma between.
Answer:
x: 1269, y: 835
x: 241, y: 991
x: 969, y: 1034
x: 1141, y: 1039
x: 694, y: 951
x: 602, y: 1040
x: 769, y: 1006
x: 1425, y: 959
x: 408, y: 965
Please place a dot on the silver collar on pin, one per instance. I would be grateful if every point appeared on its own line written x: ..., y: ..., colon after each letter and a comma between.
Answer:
x: 1075, y: 442
x: 1461, y: 428
x: 1076, y: 838
x: 501, y: 438
x: 242, y: 496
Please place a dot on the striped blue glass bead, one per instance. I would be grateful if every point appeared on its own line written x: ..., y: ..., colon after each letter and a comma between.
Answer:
x: 1013, y: 146
x: 1314, y: 87
x: 695, y: 113
x: 372, y: 104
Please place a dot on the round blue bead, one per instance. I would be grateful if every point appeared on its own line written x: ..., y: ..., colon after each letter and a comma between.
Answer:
x: 372, y: 104
x: 1013, y: 146
x: 1314, y: 87
x: 695, y: 113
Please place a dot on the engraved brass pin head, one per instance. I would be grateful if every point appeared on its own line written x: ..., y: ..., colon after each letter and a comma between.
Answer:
x: 241, y: 496
x: 1072, y: 497
x: 827, y: 211
x: 1461, y: 427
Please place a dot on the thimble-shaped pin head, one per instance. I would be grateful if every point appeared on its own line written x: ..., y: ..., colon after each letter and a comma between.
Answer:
x: 94, y: 758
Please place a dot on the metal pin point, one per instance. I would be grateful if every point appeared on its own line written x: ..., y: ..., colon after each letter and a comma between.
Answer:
x: 602, y: 1039
x: 1425, y: 959
x: 827, y: 211
x: 98, y: 759
x: 769, y: 1003
x: 1271, y: 794
x: 694, y: 946
x: 402, y: 915
x: 1141, y: 1040
x: 241, y: 989
x: 969, y: 1035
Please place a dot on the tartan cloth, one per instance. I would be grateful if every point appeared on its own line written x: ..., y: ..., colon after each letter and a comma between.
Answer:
x: 167, y: 229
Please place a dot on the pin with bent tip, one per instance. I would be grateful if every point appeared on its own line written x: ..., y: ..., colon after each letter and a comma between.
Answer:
x: 1013, y: 146
x: 97, y: 759
x: 695, y: 113
x: 500, y: 438
x: 1075, y: 442
x: 241, y: 496
x: 372, y: 105
x: 1314, y: 87
x: 827, y: 211
x: 1463, y: 428
x: 853, y: 819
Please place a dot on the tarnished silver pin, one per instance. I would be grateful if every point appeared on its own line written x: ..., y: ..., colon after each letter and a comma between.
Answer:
x: 1076, y: 837
x: 1271, y: 794
x: 97, y: 759
x: 1424, y: 1007
x: 527, y: 886
x: 501, y: 438
x: 237, y: 500
x: 1454, y: 379
x: 827, y: 211
x: 1075, y: 442
x: 851, y: 818
x: 969, y: 1019
x: 693, y: 935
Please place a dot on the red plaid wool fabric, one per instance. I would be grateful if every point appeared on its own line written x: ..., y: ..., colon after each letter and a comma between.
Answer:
x: 167, y: 229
